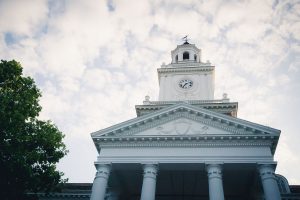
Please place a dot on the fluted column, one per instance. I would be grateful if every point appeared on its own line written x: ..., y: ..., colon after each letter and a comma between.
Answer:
x: 214, y: 172
x: 149, y: 182
x: 269, y: 183
x: 100, y: 182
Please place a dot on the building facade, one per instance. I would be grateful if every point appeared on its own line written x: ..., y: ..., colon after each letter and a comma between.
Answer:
x: 187, y: 145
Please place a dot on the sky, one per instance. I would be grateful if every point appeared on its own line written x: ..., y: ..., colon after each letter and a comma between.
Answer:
x: 95, y: 60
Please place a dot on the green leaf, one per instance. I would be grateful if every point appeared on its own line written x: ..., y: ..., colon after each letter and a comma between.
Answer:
x: 29, y: 148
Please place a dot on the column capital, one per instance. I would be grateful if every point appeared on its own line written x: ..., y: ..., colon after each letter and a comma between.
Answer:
x: 214, y: 170
x: 269, y: 181
x: 150, y: 170
x: 103, y: 170
x: 266, y: 171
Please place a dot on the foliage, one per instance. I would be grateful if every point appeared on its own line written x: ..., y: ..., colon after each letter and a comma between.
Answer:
x: 29, y: 147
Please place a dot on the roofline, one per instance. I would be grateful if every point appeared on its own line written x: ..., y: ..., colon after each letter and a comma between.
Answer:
x: 183, y: 104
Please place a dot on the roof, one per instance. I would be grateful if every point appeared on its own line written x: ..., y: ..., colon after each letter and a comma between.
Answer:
x: 234, y: 129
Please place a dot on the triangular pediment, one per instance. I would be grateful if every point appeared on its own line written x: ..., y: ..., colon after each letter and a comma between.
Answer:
x: 180, y: 126
x: 184, y: 119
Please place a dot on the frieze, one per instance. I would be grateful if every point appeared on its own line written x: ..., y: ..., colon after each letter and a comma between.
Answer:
x: 186, y: 143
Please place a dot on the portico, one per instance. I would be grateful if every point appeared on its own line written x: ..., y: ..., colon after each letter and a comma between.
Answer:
x: 147, y: 163
x: 184, y: 181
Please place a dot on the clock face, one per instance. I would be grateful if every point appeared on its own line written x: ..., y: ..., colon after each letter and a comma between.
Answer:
x: 185, y: 84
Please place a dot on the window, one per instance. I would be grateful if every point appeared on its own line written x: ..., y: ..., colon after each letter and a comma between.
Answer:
x: 186, y: 56
x: 195, y: 57
x: 176, y: 58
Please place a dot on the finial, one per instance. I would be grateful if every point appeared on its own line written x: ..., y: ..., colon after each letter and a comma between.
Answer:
x: 225, y: 98
x: 147, y: 100
x: 185, y: 39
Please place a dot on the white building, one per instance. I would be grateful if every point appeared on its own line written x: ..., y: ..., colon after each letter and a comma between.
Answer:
x: 187, y: 145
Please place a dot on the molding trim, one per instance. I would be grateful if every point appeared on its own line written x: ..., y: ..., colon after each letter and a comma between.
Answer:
x: 186, y: 159
x: 182, y: 142
x: 185, y: 69
x: 187, y: 141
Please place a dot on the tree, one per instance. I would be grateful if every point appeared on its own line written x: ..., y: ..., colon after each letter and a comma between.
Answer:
x: 29, y: 147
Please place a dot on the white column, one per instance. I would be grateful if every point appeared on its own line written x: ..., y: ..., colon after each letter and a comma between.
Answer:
x: 269, y: 183
x: 100, y: 182
x: 149, y: 182
x: 214, y: 172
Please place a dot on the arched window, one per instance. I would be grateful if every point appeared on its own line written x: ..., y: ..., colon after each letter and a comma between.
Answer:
x: 186, y: 56
x: 195, y: 57
x: 176, y: 58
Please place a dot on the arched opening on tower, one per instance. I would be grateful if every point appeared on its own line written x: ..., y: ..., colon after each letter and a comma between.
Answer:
x: 186, y: 56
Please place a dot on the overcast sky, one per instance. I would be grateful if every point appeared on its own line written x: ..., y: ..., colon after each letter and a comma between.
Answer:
x: 94, y: 60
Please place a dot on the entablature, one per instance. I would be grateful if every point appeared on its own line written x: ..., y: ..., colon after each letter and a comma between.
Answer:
x: 187, y: 141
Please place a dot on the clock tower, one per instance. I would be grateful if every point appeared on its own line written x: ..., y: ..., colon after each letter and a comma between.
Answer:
x: 186, y: 77
x: 187, y: 138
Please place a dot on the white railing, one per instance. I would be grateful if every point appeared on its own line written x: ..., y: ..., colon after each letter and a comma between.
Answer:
x: 187, y: 63
x: 187, y: 101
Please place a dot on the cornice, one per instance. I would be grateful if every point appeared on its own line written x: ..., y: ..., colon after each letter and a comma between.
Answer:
x: 185, y: 138
x: 185, y: 69
x: 188, y: 141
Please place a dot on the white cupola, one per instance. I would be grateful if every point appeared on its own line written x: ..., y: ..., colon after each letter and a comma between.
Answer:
x: 186, y: 53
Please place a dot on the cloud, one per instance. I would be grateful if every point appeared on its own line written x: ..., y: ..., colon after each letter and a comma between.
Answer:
x: 20, y: 21
x: 95, y: 60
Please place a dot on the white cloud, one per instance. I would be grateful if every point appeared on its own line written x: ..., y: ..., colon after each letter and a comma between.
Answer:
x: 94, y: 64
x: 294, y: 67
x: 68, y: 84
x: 286, y: 157
x: 22, y: 17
